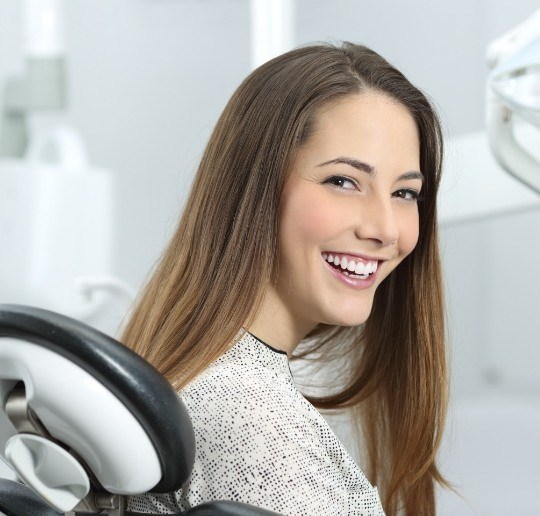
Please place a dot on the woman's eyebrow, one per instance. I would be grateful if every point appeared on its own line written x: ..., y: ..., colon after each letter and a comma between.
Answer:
x: 411, y: 175
x: 359, y: 165
x: 369, y: 169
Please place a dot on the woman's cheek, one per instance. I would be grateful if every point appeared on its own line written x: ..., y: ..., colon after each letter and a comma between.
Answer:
x: 310, y: 215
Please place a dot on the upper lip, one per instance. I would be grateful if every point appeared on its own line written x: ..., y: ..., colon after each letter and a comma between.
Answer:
x: 363, y: 257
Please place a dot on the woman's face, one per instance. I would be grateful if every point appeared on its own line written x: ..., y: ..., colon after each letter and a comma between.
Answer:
x: 348, y: 214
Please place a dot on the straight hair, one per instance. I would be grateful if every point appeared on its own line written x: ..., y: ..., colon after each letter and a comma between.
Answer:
x: 210, y: 281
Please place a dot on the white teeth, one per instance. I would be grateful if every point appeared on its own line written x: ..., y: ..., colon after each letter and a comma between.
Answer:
x: 360, y: 268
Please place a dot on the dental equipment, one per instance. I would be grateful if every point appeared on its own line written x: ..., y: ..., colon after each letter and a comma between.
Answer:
x: 56, y: 228
x: 85, y: 421
x: 514, y: 95
x: 56, y: 215
x: 43, y: 88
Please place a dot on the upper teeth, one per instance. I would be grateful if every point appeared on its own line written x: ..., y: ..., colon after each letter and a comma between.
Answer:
x: 356, y: 265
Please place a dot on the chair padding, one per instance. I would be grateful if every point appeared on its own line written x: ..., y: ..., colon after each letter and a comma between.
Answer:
x: 146, y: 394
x: 16, y: 499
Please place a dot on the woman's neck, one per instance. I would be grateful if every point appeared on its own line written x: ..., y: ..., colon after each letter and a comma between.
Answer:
x: 277, y: 326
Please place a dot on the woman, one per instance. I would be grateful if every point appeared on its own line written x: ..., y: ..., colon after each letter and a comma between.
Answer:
x: 312, y: 218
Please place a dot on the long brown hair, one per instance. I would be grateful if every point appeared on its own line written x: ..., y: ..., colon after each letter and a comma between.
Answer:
x: 210, y: 280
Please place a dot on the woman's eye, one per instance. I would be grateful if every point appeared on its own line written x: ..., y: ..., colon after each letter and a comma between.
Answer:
x: 341, y: 182
x: 407, y: 194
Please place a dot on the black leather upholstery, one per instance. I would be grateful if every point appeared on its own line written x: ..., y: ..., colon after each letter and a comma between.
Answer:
x: 148, y: 396
x: 19, y: 500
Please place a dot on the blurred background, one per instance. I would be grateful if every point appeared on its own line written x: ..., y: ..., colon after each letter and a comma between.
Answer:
x: 145, y: 81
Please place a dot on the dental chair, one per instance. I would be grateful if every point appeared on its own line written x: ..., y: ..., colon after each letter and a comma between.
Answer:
x: 84, y: 421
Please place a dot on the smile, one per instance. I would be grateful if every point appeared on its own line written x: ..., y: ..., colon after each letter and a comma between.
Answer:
x: 353, y: 267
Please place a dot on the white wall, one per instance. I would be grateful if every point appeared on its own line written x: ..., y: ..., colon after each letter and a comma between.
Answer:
x: 148, y: 81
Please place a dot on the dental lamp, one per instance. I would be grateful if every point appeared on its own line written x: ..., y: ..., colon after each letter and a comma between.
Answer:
x: 514, y: 96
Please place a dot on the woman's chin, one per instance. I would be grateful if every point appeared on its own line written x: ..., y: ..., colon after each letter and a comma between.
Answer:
x: 348, y: 319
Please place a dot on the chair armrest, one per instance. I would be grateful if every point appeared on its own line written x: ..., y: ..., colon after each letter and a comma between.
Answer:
x: 146, y: 394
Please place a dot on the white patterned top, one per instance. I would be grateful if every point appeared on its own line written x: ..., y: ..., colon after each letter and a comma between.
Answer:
x: 259, y: 441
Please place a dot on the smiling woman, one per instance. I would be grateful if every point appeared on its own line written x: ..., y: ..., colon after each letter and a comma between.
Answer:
x: 311, y: 220
x: 349, y: 196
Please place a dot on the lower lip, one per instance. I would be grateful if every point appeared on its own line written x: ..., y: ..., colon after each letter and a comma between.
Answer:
x: 357, y: 283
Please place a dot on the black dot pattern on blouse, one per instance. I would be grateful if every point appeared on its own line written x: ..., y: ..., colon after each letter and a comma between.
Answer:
x: 259, y: 441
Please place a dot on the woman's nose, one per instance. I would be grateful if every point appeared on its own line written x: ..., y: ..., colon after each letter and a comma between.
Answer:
x: 377, y: 221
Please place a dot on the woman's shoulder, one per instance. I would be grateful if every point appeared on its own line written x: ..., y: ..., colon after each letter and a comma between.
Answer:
x: 247, y: 368
x: 250, y: 382
x: 226, y: 382
x: 251, y: 422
